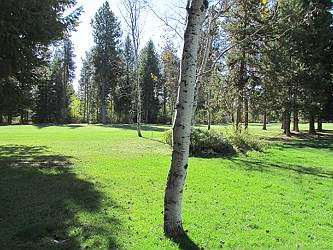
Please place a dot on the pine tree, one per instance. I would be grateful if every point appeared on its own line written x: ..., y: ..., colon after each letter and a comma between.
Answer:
x: 170, y: 67
x: 107, y: 33
x: 21, y: 41
x: 124, y: 101
x: 243, y: 21
x: 54, y: 88
x: 150, y: 82
x: 86, y: 86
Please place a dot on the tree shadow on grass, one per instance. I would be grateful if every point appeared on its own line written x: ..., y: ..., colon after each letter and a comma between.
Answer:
x: 304, y: 140
x: 45, y: 125
x: 263, y: 166
x: 148, y: 127
x: 185, y: 242
x: 155, y: 140
x: 40, y: 201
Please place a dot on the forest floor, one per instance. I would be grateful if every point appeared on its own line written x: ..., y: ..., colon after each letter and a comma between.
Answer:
x: 91, y: 186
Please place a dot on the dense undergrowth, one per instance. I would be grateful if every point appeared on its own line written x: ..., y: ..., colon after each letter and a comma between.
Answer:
x: 219, y: 143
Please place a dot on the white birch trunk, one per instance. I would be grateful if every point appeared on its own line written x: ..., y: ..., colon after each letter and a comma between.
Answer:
x: 182, y: 122
x: 138, y: 87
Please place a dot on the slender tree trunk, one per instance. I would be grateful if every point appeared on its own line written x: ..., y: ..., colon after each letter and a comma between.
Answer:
x: 103, y: 104
x: 85, y: 101
x: 209, y: 111
x: 9, y: 118
x: 241, y: 77
x: 182, y: 123
x: 320, y: 124
x: 22, y: 118
x: 312, y: 124
x: 164, y: 103
x: 97, y: 114
x: 64, y: 94
x: 295, y: 122
x: 138, y: 110
x: 26, y: 116
x: 138, y: 89
x: 264, y: 127
x: 1, y: 118
x: 111, y: 115
x: 246, y: 112
x: 239, y: 111
x: 88, y: 105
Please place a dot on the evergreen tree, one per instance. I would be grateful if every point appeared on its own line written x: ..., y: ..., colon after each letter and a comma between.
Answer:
x: 26, y: 26
x: 244, y: 20
x: 298, y: 63
x: 107, y: 33
x: 54, y: 88
x: 88, y: 89
x: 124, y: 101
x: 150, y: 82
x: 170, y: 66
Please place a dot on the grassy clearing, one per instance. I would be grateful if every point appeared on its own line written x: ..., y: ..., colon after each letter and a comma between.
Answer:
x: 78, y: 186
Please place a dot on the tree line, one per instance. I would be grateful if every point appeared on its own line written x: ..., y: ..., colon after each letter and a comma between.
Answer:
x: 259, y: 61
x: 276, y: 64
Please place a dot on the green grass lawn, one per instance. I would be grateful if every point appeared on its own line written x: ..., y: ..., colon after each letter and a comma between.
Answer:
x: 101, y: 187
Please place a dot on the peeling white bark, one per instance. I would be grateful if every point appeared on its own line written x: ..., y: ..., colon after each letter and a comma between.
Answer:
x: 182, y: 119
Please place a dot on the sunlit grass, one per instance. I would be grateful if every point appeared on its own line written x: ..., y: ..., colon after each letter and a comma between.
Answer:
x: 90, y: 186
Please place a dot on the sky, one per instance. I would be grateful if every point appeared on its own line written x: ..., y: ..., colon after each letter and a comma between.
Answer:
x: 153, y: 27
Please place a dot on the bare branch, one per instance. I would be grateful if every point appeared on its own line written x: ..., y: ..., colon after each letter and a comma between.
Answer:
x: 165, y: 22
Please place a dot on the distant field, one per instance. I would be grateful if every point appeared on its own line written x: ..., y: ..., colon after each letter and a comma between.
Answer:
x: 91, y: 186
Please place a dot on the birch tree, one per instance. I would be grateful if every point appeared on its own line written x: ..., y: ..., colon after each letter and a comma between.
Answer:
x: 196, y: 10
x: 133, y: 11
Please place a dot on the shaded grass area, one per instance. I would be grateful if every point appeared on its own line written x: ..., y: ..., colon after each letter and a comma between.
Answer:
x: 40, y: 200
x: 102, y: 187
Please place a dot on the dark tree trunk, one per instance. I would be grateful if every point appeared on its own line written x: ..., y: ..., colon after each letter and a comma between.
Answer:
x: 88, y: 106
x: 63, y: 100
x: 295, y: 122
x: 1, y: 118
x: 22, y: 118
x: 312, y: 124
x: 209, y: 109
x: 287, y: 124
x: 239, y: 111
x: 102, y: 111
x: 85, y: 102
x: 103, y: 104
x: 320, y: 124
x: 27, y: 116
x: 9, y: 119
x: 164, y: 103
x: 264, y: 127
x: 246, y: 113
x: 283, y: 121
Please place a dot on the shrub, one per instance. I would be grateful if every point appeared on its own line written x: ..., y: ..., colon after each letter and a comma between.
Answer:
x: 167, y: 137
x: 243, y: 142
x: 205, y: 143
